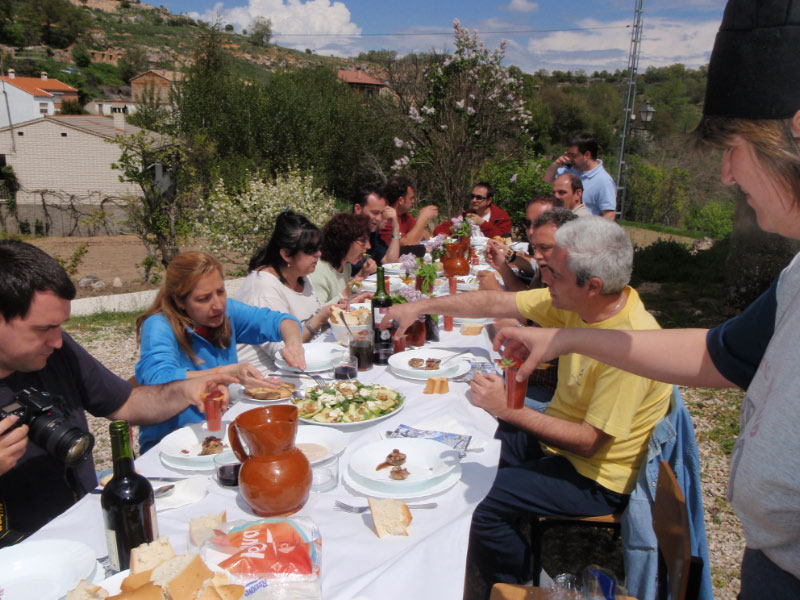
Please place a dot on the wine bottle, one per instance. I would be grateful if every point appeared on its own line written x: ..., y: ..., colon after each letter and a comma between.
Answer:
x: 129, y: 509
x: 381, y: 302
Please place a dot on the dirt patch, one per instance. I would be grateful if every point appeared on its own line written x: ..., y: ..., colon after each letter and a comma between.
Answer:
x: 644, y: 237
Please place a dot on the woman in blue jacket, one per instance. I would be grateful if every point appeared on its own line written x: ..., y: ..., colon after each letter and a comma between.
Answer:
x: 192, y: 329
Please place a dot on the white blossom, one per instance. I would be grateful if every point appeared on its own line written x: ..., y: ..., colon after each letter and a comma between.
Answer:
x: 398, y: 143
x: 513, y: 178
x: 460, y: 104
x: 470, y: 111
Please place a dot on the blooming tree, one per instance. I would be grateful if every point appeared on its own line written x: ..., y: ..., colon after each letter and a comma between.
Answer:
x: 459, y: 110
x: 239, y: 224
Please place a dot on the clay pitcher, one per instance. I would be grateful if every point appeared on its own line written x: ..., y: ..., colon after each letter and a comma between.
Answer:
x: 275, y: 477
x: 455, y: 262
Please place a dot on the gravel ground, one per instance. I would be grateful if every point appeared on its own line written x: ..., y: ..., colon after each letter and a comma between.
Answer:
x: 569, y: 550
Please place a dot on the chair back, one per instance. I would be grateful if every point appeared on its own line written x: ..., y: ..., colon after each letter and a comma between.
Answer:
x: 671, y: 526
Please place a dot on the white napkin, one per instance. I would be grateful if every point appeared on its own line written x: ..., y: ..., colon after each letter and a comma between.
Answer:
x: 187, y: 491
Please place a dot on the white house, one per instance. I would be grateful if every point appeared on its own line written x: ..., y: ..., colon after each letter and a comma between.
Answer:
x: 26, y: 98
x: 63, y: 165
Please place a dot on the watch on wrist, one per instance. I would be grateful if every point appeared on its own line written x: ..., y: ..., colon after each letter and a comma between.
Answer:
x: 397, y: 236
x: 311, y: 327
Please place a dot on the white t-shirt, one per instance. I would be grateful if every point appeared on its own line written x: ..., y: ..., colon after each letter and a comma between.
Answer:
x: 262, y: 288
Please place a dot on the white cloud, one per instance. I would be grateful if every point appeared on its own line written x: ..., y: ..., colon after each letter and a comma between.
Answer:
x: 664, y: 42
x: 523, y: 6
x: 315, y: 20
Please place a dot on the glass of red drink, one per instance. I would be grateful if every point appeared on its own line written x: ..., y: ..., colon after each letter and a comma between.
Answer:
x: 515, y: 390
x: 212, y: 403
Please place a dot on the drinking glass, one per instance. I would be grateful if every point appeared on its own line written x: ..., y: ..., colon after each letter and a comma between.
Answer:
x: 212, y: 403
x: 515, y: 390
x: 362, y: 350
x: 345, y: 368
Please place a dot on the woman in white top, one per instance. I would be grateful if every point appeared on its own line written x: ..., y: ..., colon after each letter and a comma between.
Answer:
x: 278, y: 279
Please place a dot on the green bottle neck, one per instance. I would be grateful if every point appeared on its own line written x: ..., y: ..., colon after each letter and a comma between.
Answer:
x: 121, y: 449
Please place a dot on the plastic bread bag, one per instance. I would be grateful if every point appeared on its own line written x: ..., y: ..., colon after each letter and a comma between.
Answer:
x: 272, y: 558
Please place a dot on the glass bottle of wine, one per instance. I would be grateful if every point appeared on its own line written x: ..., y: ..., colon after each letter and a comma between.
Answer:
x: 129, y: 509
x: 381, y: 302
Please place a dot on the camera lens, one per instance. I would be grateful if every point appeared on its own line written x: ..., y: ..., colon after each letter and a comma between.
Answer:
x: 60, y: 438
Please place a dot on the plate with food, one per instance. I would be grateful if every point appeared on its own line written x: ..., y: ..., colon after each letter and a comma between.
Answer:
x: 284, y: 391
x: 394, y: 269
x: 403, y: 462
x: 370, y: 283
x: 46, y: 569
x: 348, y: 403
x: 320, y: 356
x: 424, y: 489
x: 320, y: 444
x: 193, y: 446
x: 422, y: 363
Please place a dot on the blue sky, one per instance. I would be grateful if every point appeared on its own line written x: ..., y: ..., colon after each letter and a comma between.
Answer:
x: 545, y: 34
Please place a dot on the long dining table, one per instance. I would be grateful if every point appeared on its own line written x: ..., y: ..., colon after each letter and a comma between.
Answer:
x: 428, y: 563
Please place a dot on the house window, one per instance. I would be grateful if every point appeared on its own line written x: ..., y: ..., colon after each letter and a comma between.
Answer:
x: 99, y: 109
x: 2, y: 160
x: 20, y: 133
x: 63, y: 134
x: 43, y: 108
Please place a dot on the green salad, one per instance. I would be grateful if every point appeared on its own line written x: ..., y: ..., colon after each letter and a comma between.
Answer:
x: 348, y: 402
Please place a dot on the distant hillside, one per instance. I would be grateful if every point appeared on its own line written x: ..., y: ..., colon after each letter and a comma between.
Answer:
x: 110, y: 40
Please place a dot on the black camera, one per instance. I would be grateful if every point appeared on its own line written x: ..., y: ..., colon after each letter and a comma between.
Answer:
x: 48, y: 429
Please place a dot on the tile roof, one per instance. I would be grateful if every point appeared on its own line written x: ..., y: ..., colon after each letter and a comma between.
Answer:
x: 164, y: 74
x: 38, y: 86
x: 359, y: 77
x: 93, y: 124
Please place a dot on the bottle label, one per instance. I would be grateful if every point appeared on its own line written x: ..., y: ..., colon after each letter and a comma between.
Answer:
x: 377, y: 315
x: 386, y: 334
x: 113, y: 551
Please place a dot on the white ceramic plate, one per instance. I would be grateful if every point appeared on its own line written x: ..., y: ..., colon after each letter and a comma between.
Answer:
x: 477, y: 321
x: 183, y: 446
x: 376, y: 490
x: 399, y: 363
x: 113, y: 583
x: 463, y: 369
x: 319, y: 357
x: 370, y: 284
x: 394, y: 269
x: 333, y: 440
x: 478, y: 241
x: 45, y: 570
x: 199, y: 468
x: 425, y: 460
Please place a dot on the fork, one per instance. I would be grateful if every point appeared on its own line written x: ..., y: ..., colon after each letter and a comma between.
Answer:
x: 317, y: 379
x: 360, y: 509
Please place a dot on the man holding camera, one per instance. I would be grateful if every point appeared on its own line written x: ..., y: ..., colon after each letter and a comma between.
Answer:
x: 47, y: 382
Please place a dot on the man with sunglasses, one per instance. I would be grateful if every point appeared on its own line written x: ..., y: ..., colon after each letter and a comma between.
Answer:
x: 492, y: 220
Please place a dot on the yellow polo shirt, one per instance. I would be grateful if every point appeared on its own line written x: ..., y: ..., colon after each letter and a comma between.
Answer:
x: 624, y: 406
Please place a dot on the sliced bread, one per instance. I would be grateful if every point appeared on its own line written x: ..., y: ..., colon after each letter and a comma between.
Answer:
x: 390, y: 516
x: 202, y: 528
x: 148, y: 556
x: 87, y: 590
x: 148, y: 591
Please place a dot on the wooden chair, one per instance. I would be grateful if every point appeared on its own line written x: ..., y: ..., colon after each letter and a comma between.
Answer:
x: 671, y: 526
x: 541, y: 524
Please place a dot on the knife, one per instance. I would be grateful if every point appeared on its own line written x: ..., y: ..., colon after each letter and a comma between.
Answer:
x: 168, y: 479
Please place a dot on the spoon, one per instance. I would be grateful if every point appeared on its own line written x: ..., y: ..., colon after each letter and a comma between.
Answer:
x: 164, y: 490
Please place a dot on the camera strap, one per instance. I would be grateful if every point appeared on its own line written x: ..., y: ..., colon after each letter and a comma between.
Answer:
x: 8, y: 537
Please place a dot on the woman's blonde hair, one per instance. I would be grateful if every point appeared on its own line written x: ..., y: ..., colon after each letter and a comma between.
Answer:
x: 773, y: 144
x: 183, y: 273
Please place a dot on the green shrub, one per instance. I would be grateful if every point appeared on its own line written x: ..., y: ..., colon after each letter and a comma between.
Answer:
x: 714, y: 218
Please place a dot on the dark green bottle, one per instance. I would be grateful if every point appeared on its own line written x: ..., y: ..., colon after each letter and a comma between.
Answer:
x: 381, y: 302
x: 129, y: 509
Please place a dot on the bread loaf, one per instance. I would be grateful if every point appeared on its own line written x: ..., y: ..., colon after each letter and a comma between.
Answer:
x: 390, y: 516
x: 87, y: 591
x: 134, y: 582
x: 202, y: 528
x: 148, y: 556
x: 437, y: 385
x: 148, y: 591
x: 471, y: 328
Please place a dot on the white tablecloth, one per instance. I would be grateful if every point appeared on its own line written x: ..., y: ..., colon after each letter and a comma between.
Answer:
x: 356, y: 564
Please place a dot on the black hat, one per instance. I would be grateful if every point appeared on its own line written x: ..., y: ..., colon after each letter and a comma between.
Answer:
x: 754, y: 72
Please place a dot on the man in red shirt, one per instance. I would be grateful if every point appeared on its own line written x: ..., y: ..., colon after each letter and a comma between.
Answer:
x: 399, y: 193
x: 492, y: 219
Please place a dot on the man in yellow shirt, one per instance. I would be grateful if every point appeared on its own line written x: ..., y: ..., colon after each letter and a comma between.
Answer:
x: 581, y: 456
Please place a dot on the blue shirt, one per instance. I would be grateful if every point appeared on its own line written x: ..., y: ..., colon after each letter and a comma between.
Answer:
x: 599, y: 189
x: 162, y: 360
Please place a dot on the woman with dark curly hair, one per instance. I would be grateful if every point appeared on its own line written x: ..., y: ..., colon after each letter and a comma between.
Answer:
x: 345, y: 239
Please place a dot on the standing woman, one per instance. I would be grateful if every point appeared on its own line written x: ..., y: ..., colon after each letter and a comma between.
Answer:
x: 279, y: 279
x: 191, y: 329
x: 345, y: 239
x: 752, y: 112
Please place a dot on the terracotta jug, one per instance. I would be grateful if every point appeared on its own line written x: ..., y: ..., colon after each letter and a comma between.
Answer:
x: 455, y: 262
x: 275, y: 477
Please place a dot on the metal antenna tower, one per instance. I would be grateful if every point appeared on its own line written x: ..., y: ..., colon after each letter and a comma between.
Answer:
x: 627, y: 112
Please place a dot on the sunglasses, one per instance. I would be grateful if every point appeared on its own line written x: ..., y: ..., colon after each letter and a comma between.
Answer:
x: 478, y: 197
x: 527, y: 223
x: 311, y: 249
